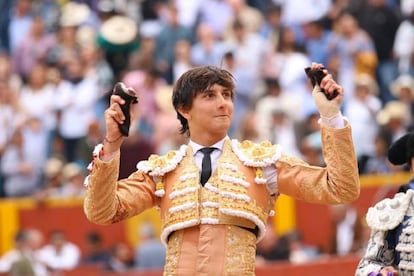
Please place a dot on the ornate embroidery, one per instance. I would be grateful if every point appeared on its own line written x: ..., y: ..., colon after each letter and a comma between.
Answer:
x: 173, y: 253
x: 240, y: 252
x: 120, y: 215
x: 256, y: 155
x: 226, y: 194
x: 157, y: 166
x: 160, y: 165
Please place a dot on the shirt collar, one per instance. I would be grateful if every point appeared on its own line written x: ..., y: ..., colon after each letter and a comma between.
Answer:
x: 196, y: 147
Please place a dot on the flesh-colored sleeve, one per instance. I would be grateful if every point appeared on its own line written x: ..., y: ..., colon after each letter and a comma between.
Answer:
x: 108, y: 200
x: 336, y: 183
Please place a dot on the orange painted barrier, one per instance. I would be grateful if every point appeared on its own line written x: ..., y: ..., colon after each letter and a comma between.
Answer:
x: 343, y: 266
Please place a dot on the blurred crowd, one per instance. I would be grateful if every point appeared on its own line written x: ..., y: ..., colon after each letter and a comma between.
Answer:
x: 36, y: 255
x: 60, y: 59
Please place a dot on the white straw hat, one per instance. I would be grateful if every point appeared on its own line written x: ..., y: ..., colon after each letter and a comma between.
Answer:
x: 119, y: 30
x: 74, y: 14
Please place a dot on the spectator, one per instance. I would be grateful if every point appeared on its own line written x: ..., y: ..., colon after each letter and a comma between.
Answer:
x: 22, y: 260
x: 96, y: 67
x: 300, y: 252
x: 11, y: 117
x: 136, y: 148
x: 121, y: 258
x: 380, y: 21
x: 377, y: 163
x: 147, y: 82
x: 403, y: 90
x: 182, y: 59
x: 59, y: 254
x: 249, y: 16
x: 95, y: 253
x: 317, y: 41
x: 208, y: 49
x: 150, y: 252
x: 52, y: 178
x: 217, y: 14
x: 404, y: 51
x: 67, y: 46
x: 37, y: 99
x: 171, y: 32
x: 166, y: 137
x: 33, y: 48
x: 352, y: 52
x: 286, y: 63
x: 86, y: 144
x: 347, y: 230
x: 73, y: 177
x: 7, y: 76
x: 21, y: 172
x: 76, y: 103
x: 20, y: 22
x: 247, y: 129
x: 392, y: 118
x: 272, y: 247
x: 271, y: 98
x: 361, y: 110
x: 283, y: 131
x: 271, y: 27
x: 311, y: 149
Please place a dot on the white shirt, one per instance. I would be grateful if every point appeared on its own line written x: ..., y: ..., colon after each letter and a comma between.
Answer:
x: 68, y: 258
x: 77, y: 103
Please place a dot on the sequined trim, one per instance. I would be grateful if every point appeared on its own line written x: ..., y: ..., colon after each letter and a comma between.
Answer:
x: 240, y: 252
x: 173, y: 253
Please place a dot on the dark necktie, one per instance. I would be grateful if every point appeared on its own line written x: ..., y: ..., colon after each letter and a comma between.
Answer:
x: 206, y: 165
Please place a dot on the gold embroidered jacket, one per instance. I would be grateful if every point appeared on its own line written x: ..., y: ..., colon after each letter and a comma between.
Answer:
x: 236, y: 194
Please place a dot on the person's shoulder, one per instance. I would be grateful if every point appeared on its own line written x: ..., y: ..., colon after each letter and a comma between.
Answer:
x: 158, y: 165
x: 389, y: 212
x: 254, y: 154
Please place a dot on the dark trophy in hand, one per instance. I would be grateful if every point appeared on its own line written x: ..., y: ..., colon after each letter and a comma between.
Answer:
x: 129, y: 95
x: 316, y: 76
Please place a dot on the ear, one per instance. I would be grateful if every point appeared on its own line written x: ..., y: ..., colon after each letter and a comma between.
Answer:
x: 184, y: 112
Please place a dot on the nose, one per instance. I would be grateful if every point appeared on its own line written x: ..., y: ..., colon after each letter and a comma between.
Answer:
x: 221, y: 100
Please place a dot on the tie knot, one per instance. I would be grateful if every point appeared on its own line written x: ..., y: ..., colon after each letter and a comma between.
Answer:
x: 207, y: 150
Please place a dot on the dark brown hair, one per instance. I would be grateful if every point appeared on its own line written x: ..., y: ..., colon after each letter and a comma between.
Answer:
x: 194, y: 81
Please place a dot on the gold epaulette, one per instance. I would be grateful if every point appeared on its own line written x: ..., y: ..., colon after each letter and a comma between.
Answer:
x: 256, y: 155
x: 157, y: 165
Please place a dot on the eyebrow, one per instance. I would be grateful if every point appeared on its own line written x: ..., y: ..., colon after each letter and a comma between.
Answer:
x: 224, y: 90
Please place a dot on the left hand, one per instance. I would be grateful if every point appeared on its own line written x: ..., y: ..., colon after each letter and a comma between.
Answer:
x: 327, y: 108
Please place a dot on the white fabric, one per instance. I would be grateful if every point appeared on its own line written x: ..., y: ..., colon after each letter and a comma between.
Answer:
x: 39, y: 104
x: 68, y: 257
x: 403, y: 45
x: 77, y: 103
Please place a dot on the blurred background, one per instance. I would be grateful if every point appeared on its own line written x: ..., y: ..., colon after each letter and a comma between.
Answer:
x: 60, y: 59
